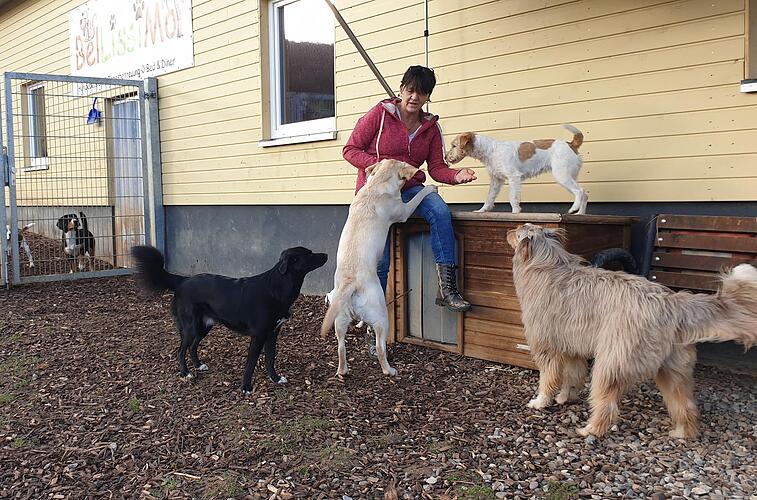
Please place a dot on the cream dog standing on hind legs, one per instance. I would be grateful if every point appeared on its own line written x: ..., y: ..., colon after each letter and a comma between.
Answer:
x: 516, y: 161
x: 357, y: 291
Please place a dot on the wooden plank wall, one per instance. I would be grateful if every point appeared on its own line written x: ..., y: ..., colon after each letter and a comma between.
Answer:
x: 690, y: 252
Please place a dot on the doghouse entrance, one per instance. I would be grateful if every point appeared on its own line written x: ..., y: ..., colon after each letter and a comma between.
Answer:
x: 426, y: 320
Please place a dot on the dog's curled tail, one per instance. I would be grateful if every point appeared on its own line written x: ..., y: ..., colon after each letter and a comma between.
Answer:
x: 578, y: 137
x: 28, y: 226
x: 151, y: 271
x: 336, y: 303
x: 731, y: 314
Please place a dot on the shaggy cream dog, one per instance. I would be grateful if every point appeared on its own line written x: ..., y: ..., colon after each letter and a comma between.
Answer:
x: 633, y: 328
x: 515, y: 161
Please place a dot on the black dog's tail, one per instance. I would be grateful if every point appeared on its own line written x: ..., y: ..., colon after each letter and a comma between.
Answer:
x: 151, y: 270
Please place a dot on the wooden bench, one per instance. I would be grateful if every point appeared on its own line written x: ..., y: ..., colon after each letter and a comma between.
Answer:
x: 690, y: 251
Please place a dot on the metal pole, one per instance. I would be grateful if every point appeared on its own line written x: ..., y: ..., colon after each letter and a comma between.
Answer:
x: 3, y: 243
x: 425, y: 31
x: 425, y: 37
x: 145, y: 164
x: 3, y: 176
x: 360, y: 48
x: 9, y: 112
x: 154, y: 169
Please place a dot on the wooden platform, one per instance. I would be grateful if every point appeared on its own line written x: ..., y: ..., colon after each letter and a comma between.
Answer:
x: 492, y: 329
x: 691, y: 251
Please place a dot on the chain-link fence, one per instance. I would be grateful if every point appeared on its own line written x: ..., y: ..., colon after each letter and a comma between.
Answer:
x: 75, y: 201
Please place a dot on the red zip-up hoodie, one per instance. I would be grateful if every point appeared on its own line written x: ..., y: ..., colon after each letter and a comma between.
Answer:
x: 380, y: 134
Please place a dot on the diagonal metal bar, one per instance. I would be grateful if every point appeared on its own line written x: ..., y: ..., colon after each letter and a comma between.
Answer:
x: 360, y: 48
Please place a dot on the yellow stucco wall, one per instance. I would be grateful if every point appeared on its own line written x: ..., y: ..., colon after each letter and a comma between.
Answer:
x: 653, y: 84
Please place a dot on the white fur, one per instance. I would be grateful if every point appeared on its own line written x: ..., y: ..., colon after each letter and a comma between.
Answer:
x: 330, y: 297
x: 22, y: 242
x: 357, y: 290
x: 502, y: 161
x: 744, y: 272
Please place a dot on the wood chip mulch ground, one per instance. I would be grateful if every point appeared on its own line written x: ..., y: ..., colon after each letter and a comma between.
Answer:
x: 91, y: 407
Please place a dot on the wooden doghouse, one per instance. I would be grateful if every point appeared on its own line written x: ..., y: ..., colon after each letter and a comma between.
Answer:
x: 492, y: 329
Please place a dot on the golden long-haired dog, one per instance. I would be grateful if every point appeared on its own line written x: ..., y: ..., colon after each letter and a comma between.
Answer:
x: 633, y: 328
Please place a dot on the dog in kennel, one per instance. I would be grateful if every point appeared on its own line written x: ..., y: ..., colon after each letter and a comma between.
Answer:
x: 21, y: 241
x: 77, y: 241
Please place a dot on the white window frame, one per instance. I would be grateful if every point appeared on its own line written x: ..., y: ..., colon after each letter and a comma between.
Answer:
x: 312, y: 130
x: 36, y: 162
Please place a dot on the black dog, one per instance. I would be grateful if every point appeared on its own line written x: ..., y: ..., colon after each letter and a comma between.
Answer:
x: 254, y: 306
x: 77, y: 240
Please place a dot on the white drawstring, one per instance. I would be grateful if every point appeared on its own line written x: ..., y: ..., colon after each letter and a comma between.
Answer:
x: 381, y: 129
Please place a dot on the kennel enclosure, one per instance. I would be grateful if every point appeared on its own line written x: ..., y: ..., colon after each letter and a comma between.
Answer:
x: 82, y: 146
x: 492, y: 329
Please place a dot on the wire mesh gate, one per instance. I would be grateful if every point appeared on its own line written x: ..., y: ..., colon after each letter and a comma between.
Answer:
x: 77, y: 194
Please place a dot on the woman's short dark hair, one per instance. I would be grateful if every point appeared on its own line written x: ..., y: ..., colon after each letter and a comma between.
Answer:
x: 420, y: 79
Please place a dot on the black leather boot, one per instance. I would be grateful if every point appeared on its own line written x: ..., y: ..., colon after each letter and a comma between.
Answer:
x: 449, y: 297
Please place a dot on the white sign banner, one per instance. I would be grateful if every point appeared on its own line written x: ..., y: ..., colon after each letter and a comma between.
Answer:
x: 130, y: 39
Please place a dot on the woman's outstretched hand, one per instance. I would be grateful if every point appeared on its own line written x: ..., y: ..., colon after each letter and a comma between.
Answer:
x: 465, y: 175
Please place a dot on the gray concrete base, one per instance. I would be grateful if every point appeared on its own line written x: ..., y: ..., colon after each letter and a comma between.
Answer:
x: 247, y: 240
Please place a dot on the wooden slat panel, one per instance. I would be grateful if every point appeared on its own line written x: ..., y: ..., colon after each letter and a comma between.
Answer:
x: 509, y: 340
x: 493, y: 314
x: 708, y: 223
x: 501, y: 276
x: 726, y: 242
x: 453, y: 43
x: 499, y: 356
x: 493, y: 298
x: 689, y: 280
x: 493, y: 260
x: 493, y: 327
x: 695, y: 262
x: 487, y: 245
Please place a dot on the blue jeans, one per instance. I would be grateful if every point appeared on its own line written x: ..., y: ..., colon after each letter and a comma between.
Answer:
x: 436, y: 213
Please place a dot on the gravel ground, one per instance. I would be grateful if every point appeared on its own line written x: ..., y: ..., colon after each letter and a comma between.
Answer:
x: 91, y: 407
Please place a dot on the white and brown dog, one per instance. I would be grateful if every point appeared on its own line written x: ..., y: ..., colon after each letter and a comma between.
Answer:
x: 516, y: 161
x: 21, y: 241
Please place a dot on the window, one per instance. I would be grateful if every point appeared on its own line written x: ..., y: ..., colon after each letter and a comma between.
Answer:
x: 34, y: 129
x: 301, y: 45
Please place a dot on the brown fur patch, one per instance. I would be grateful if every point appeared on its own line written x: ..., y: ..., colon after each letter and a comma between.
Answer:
x: 512, y: 238
x: 543, y: 143
x: 526, y: 150
x: 578, y: 139
x: 464, y: 139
